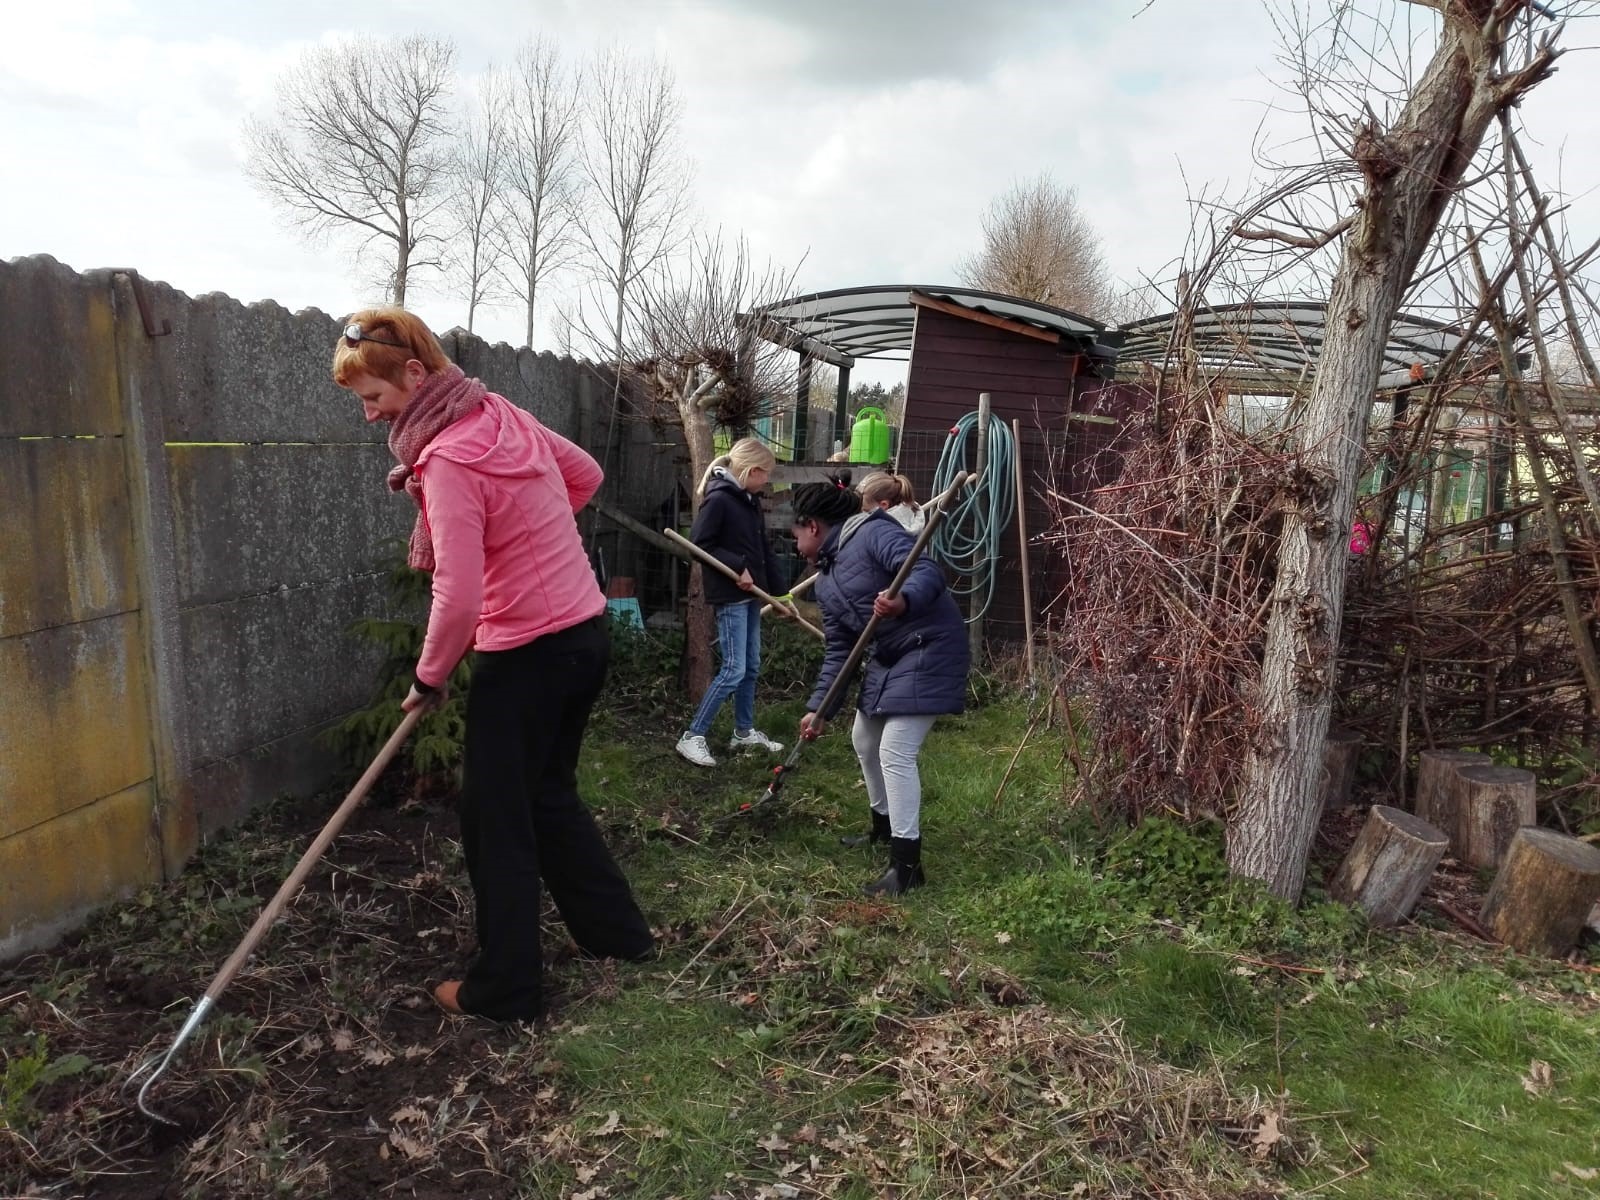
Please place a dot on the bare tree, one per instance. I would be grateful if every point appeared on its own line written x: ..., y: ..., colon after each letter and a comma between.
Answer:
x: 474, y: 209
x: 636, y: 175
x: 703, y: 364
x: 1039, y: 245
x: 541, y: 136
x: 358, y: 144
x: 1408, y: 171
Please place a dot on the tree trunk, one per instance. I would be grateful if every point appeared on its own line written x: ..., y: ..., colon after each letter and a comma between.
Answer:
x: 1436, y: 802
x: 1543, y: 893
x: 402, y: 253
x: 1411, y: 172
x: 533, y: 276
x: 700, y: 635
x: 1491, y: 804
x: 1389, y: 865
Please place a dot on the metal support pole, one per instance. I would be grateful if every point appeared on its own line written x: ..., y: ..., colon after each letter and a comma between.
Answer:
x: 841, y: 410
x: 802, y: 409
x: 981, y: 470
x: 672, y: 563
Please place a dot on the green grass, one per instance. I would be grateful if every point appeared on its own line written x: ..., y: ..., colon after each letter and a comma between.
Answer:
x: 1400, y: 1057
x: 1065, y: 1010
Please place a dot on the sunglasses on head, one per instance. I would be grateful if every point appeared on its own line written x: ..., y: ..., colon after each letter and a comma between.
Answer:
x: 353, y: 333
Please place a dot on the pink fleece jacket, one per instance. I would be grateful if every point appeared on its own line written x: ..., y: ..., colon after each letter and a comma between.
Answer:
x: 499, y: 491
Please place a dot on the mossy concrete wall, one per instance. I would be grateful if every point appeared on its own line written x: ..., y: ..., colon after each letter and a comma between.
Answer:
x: 192, y: 522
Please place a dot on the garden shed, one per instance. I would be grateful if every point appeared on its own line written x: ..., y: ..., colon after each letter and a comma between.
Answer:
x: 1070, y: 382
x: 1048, y: 370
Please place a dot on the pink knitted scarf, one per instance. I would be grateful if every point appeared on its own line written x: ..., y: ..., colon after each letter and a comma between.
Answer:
x: 440, y: 400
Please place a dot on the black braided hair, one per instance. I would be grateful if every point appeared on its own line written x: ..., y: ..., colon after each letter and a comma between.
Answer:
x: 831, y: 503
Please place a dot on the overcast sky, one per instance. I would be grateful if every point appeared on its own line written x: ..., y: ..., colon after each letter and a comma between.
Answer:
x: 866, y: 136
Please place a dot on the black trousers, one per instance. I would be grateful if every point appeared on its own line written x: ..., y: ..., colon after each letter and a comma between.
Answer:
x: 522, y: 821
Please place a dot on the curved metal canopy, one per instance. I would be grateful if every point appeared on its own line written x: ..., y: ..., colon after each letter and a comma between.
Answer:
x: 876, y: 321
x: 1283, y: 342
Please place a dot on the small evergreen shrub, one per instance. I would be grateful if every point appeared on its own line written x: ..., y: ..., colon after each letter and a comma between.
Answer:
x: 435, y: 748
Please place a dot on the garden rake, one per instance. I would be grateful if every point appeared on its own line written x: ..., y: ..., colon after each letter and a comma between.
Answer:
x: 156, y: 1066
x: 834, y: 696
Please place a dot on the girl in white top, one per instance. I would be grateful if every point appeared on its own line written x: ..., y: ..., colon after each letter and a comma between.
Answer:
x: 893, y: 493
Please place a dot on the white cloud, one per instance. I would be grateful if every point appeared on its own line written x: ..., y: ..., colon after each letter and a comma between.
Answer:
x: 870, y: 136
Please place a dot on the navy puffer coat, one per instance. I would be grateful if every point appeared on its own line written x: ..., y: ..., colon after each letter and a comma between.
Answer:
x: 918, y: 661
x: 731, y: 527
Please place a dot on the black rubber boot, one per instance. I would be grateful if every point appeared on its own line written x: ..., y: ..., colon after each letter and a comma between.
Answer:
x: 905, y: 869
x: 879, y: 832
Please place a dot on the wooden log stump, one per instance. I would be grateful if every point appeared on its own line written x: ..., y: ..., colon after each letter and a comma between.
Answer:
x: 1491, y: 804
x: 1339, y: 754
x: 1433, y: 801
x: 1389, y: 865
x: 1543, y: 893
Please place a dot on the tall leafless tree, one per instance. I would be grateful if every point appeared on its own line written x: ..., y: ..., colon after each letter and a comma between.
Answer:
x: 636, y: 175
x: 474, y: 206
x: 701, y: 362
x: 541, y: 141
x: 1039, y: 245
x: 358, y: 143
x: 1408, y: 169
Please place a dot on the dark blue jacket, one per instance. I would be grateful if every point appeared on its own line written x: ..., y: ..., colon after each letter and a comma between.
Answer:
x: 732, y: 528
x: 917, y: 663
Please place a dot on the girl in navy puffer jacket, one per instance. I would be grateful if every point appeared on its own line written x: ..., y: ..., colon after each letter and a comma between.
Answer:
x: 730, y: 526
x: 916, y: 668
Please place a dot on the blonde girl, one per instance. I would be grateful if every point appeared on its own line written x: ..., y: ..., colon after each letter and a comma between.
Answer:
x: 894, y: 494
x: 731, y: 527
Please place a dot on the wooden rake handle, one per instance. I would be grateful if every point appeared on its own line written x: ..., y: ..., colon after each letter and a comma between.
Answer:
x: 713, y: 561
x: 297, y: 877
x: 799, y: 589
x: 936, y: 513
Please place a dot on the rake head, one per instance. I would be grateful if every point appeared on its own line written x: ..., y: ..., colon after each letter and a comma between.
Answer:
x: 156, y: 1066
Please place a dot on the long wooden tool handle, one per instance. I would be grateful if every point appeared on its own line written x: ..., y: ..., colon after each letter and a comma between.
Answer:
x: 799, y: 589
x: 315, y: 851
x: 1022, y: 546
x: 712, y: 560
x: 835, y: 693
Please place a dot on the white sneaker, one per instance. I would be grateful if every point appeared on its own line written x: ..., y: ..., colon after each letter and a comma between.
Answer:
x: 754, y: 740
x: 693, y: 747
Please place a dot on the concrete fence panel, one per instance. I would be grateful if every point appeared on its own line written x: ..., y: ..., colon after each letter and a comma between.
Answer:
x: 56, y: 344
x: 195, y: 518
x: 77, y: 788
x: 255, y: 373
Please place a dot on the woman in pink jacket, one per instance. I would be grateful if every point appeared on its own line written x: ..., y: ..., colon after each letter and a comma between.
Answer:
x: 497, y: 492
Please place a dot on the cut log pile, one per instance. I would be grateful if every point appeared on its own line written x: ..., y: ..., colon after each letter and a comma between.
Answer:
x: 1484, y: 815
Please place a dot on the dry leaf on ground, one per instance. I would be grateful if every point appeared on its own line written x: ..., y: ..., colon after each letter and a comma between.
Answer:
x: 1539, y: 1078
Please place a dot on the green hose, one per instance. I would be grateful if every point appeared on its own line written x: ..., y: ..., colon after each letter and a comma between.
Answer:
x: 968, y: 542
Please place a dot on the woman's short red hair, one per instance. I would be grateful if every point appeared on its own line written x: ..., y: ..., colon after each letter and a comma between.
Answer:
x: 372, y: 357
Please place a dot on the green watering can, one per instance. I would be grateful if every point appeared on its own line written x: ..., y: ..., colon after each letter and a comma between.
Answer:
x: 869, y: 437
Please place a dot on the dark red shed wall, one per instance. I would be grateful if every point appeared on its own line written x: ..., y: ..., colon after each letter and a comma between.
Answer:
x: 1039, y: 385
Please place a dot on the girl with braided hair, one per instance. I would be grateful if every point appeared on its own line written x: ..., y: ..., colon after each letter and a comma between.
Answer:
x: 915, y: 670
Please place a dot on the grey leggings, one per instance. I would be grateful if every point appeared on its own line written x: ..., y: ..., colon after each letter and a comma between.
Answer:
x: 888, y: 748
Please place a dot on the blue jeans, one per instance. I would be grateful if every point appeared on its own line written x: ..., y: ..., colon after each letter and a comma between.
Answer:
x: 739, y: 640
